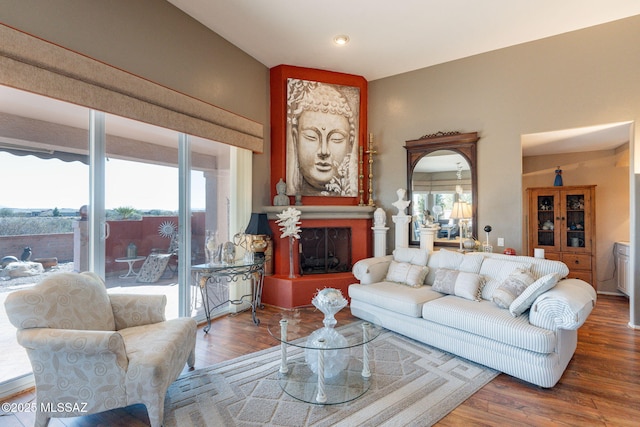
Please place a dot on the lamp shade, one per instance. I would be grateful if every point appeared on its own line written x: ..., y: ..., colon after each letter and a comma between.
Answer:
x: 461, y: 210
x: 258, y: 225
x: 467, y: 211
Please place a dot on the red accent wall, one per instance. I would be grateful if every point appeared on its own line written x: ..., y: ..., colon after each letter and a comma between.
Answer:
x: 278, y: 82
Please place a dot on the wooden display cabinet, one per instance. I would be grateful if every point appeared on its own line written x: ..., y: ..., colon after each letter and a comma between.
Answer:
x: 562, y: 222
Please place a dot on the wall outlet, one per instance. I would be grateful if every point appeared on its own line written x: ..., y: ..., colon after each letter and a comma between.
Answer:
x: 500, y: 241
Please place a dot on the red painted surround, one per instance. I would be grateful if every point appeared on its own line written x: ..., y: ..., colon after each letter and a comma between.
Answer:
x: 280, y: 290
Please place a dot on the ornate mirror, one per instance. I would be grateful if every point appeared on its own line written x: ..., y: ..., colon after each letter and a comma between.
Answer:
x: 442, y: 186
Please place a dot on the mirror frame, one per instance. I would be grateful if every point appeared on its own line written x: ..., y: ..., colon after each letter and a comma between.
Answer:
x: 464, y: 144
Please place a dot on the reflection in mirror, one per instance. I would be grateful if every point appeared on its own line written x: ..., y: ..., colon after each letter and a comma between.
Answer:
x: 441, y: 194
x: 442, y: 187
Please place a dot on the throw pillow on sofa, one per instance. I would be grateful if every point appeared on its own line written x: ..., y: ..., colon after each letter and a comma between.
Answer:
x: 407, y: 274
x: 496, y: 271
x: 533, y: 291
x: 458, y: 283
x: 512, y: 287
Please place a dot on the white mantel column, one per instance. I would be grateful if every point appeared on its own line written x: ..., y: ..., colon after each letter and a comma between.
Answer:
x: 379, y: 241
x: 402, y: 230
x: 427, y: 237
x: 379, y: 232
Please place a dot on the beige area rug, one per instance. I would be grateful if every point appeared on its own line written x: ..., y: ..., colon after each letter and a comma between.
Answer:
x: 411, y: 385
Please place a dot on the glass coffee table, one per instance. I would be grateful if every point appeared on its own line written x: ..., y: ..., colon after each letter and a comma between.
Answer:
x: 329, y: 365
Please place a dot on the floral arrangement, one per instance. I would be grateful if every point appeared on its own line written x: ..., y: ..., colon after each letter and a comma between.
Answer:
x: 288, y: 221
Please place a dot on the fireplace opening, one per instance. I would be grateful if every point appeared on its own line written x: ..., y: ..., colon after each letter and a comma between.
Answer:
x: 325, y: 250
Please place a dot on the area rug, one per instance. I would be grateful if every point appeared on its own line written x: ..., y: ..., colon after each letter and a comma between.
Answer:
x: 411, y: 385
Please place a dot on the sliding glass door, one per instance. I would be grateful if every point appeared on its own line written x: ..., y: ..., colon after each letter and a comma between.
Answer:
x: 139, y: 198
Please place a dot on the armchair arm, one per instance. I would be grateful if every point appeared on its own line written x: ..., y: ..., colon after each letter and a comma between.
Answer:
x: 84, y: 367
x: 372, y: 270
x: 131, y: 310
x: 74, y: 345
x: 565, y: 306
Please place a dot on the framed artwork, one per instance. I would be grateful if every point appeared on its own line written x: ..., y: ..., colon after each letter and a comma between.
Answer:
x: 318, y: 129
x: 322, y: 139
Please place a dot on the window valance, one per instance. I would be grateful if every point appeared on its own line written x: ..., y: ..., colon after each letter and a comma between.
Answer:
x: 35, y: 65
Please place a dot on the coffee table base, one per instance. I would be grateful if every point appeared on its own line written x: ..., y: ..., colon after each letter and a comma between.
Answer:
x: 302, y: 384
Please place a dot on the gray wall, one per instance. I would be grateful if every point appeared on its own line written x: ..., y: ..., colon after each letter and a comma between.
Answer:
x: 157, y: 41
x: 578, y: 79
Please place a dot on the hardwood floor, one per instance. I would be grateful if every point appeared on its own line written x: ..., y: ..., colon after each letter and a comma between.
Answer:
x: 601, y: 386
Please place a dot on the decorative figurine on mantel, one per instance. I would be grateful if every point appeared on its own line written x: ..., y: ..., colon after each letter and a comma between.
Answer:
x: 402, y: 203
x: 558, y: 180
x: 379, y: 218
x: 281, y: 199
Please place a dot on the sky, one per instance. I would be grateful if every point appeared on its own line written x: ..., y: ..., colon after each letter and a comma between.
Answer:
x: 32, y: 183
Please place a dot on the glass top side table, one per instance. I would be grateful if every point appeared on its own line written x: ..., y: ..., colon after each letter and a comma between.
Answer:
x: 219, y: 276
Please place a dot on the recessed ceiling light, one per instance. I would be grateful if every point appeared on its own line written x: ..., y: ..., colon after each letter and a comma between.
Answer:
x: 341, y: 40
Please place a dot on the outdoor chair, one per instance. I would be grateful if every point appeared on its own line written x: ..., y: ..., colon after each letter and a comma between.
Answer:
x: 158, y: 262
x: 92, y: 351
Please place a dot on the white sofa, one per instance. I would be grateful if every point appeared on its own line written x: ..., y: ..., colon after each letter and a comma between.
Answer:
x: 532, y: 336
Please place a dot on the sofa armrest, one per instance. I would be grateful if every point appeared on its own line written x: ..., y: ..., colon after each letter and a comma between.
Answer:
x: 566, y: 306
x: 131, y: 310
x: 372, y: 270
x: 74, y: 346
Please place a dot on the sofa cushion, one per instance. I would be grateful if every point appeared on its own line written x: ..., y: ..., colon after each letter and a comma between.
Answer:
x: 512, y: 287
x: 394, y: 296
x: 458, y: 283
x: 453, y: 260
x: 411, y: 255
x: 539, y: 266
x: 533, y: 291
x: 406, y: 273
x: 495, y: 271
x: 486, y: 319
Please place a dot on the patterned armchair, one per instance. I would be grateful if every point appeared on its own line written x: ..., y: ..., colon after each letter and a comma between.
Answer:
x: 92, y: 351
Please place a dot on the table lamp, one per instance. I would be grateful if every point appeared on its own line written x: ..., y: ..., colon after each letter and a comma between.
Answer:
x: 461, y: 211
x: 260, y: 233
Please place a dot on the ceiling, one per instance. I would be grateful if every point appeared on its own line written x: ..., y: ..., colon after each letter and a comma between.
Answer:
x: 387, y: 38
x: 392, y: 37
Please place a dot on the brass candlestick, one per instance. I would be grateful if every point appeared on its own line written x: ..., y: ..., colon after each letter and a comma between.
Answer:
x: 361, y: 177
x: 371, y: 152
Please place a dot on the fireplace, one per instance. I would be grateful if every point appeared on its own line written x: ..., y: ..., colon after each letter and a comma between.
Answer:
x: 325, y: 250
x: 333, y: 239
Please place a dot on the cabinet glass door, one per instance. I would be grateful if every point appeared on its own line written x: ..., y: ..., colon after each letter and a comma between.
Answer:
x: 546, y: 208
x: 575, y: 233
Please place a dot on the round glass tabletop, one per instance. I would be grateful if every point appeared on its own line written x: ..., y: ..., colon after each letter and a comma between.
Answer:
x: 303, y: 322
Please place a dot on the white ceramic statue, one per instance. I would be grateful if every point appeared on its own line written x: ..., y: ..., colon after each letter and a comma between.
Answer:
x: 379, y: 218
x: 401, y: 204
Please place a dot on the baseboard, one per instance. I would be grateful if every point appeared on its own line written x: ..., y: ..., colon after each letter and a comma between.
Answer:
x: 16, y: 386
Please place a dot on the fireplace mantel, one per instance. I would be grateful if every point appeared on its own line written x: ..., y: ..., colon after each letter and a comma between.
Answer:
x: 280, y: 290
x: 324, y: 211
